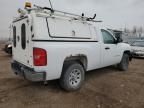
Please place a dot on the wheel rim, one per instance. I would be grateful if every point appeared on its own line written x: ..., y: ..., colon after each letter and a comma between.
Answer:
x: 75, y: 77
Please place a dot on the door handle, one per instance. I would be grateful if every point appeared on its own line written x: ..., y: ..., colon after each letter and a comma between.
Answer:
x: 107, y: 48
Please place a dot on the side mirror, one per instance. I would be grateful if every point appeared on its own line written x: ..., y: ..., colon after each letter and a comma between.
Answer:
x: 118, y: 36
x: 119, y: 39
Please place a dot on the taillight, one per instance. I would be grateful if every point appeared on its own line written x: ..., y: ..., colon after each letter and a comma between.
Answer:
x: 39, y: 57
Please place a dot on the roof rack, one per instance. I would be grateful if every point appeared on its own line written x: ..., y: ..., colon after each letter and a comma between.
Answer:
x: 76, y: 17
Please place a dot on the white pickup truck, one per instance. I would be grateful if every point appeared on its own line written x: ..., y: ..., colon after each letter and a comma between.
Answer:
x: 49, y: 45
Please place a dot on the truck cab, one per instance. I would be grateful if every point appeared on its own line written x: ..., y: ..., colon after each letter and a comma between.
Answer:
x: 50, y: 44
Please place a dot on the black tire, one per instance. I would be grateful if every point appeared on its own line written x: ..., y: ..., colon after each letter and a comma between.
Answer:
x: 124, y: 64
x: 72, y: 76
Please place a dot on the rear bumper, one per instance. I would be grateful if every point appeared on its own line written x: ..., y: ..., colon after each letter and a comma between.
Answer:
x: 28, y: 73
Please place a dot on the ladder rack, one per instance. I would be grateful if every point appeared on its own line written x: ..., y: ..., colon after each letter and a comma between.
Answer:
x: 75, y: 16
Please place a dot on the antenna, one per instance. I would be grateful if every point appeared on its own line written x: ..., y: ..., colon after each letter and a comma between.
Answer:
x: 51, y: 4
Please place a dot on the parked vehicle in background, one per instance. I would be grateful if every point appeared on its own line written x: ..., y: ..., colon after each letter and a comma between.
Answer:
x: 8, y: 48
x: 138, y: 48
x: 50, y: 44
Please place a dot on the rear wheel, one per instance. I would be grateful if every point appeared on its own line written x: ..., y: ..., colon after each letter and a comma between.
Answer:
x: 123, y: 65
x: 72, y: 76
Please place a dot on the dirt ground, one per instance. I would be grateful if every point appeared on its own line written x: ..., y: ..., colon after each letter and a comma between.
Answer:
x: 103, y: 88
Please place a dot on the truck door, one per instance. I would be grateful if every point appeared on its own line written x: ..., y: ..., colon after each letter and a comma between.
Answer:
x: 21, y: 42
x: 110, y: 50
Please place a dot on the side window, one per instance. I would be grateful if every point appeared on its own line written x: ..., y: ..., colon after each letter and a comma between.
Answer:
x: 14, y: 36
x: 23, y: 36
x: 107, y: 37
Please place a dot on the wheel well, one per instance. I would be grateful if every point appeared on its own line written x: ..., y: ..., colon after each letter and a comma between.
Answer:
x: 127, y: 52
x: 82, y: 59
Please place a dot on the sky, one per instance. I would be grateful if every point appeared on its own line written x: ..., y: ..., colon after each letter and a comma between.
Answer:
x: 114, y: 13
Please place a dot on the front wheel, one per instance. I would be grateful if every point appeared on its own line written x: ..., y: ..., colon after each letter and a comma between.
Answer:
x: 123, y: 65
x: 72, y: 76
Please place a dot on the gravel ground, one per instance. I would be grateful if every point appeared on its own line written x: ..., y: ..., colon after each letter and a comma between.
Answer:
x: 103, y: 88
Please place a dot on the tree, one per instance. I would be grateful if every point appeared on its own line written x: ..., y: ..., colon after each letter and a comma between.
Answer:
x: 140, y: 31
x: 134, y: 31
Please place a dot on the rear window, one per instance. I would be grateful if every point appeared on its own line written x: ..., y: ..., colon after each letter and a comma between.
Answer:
x: 14, y: 36
x: 23, y: 36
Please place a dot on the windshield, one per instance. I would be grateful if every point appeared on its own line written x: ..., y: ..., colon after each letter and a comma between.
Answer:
x: 138, y: 43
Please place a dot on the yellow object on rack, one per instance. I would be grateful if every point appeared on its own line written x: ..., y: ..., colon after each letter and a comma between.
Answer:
x: 28, y: 5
